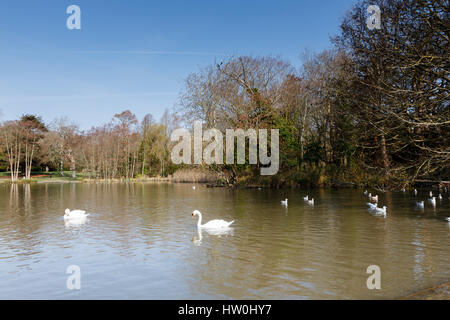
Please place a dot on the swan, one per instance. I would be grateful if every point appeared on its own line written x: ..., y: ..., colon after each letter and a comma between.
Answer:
x: 311, y: 202
x: 284, y: 202
x: 433, y: 201
x: 371, y: 206
x: 420, y: 204
x: 374, y: 198
x: 306, y: 198
x: 75, y: 214
x: 213, y: 224
x: 381, y: 210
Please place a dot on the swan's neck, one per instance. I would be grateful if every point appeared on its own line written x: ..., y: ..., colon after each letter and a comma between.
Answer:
x: 199, y: 222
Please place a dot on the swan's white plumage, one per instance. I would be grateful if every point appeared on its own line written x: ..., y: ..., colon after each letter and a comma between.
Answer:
x: 371, y: 206
x: 75, y: 214
x: 213, y: 224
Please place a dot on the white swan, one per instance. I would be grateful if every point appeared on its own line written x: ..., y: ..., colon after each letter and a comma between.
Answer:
x: 420, y: 204
x: 75, y: 214
x: 381, y: 210
x: 284, y: 202
x: 433, y: 201
x: 306, y: 198
x: 371, y: 206
x: 213, y: 224
x: 311, y: 202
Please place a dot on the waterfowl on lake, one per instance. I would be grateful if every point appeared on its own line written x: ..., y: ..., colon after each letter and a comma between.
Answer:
x: 213, y: 224
x: 433, y: 201
x: 381, y: 210
x: 374, y: 198
x: 306, y: 198
x: 75, y: 214
x: 311, y: 202
x: 371, y: 206
x: 420, y: 204
x: 415, y: 192
x: 284, y: 202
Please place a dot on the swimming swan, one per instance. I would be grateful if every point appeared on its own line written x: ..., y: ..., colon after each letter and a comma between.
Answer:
x: 75, y: 214
x: 371, y: 206
x: 213, y: 224
x: 433, y: 201
x: 284, y: 202
x: 311, y: 202
x: 381, y: 210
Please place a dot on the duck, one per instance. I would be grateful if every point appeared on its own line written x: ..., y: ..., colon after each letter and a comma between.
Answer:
x: 213, y: 224
x: 75, y: 214
x: 284, y: 202
x: 420, y: 204
x: 306, y: 198
x: 371, y: 206
x: 311, y: 202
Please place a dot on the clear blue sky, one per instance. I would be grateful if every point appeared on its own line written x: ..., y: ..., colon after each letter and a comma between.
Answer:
x: 135, y: 54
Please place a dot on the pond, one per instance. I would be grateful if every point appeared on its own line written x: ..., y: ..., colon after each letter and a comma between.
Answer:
x: 141, y: 242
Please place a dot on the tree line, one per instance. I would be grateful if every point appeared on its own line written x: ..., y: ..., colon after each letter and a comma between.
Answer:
x: 122, y: 148
x: 371, y: 109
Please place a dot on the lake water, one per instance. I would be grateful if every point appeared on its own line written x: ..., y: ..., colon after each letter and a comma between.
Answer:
x: 141, y: 242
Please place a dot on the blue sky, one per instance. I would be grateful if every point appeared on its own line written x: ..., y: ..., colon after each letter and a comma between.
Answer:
x: 136, y: 54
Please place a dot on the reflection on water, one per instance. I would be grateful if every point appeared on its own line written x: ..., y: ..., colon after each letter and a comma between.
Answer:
x: 212, y: 232
x: 140, y: 242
